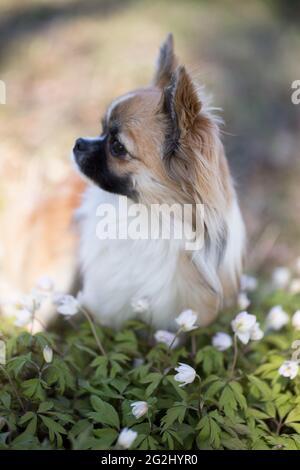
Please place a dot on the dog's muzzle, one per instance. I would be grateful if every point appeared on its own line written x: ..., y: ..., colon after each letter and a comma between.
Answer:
x: 87, y: 147
x: 91, y: 158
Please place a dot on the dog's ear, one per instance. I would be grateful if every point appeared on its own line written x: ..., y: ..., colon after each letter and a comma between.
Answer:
x: 181, y: 106
x: 166, y: 63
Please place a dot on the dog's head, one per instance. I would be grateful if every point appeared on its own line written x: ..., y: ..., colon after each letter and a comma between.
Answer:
x: 158, y: 143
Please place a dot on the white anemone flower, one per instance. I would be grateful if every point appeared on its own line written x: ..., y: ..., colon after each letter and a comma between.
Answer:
x: 187, y: 320
x: 186, y: 374
x: 277, y: 318
x: 48, y: 354
x: 23, y: 318
x: 139, y: 408
x: 256, y: 333
x: 67, y: 305
x: 30, y: 302
x: 25, y: 307
x: 222, y: 341
x: 281, y: 277
x: 289, y: 369
x: 242, y: 325
x: 243, y: 301
x: 167, y: 338
x: 126, y: 438
x: 296, y: 320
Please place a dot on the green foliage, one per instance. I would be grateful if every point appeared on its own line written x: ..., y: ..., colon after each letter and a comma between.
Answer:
x: 81, y: 400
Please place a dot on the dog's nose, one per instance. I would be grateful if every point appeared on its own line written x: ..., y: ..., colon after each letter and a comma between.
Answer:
x: 80, y: 145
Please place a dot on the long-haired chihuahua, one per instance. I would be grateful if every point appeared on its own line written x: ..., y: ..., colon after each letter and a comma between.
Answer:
x: 160, y: 145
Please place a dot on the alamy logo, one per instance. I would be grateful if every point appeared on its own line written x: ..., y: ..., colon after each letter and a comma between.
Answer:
x: 2, y: 92
x: 127, y: 220
x: 296, y: 94
x: 2, y: 353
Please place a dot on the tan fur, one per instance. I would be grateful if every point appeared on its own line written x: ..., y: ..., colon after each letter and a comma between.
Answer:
x: 166, y: 64
x: 197, y: 287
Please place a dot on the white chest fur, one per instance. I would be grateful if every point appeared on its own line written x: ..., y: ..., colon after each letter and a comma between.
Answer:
x: 115, y: 272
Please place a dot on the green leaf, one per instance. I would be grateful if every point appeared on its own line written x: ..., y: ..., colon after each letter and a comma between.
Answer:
x: 80, y: 427
x: 294, y: 415
x: 210, y: 358
x: 257, y: 413
x: 59, y: 374
x: 295, y: 426
x: 5, y: 398
x: 55, y: 429
x: 33, y: 389
x: 233, y: 444
x: 17, y: 364
x: 263, y: 388
x: 101, y: 364
x: 228, y: 401
x: 176, y: 413
x: 45, y: 406
x: 238, y: 394
x: 24, y: 441
x: 154, y: 379
x: 179, y: 390
x: 120, y: 384
x: 104, y: 412
x: 32, y: 425
x: 152, y: 443
x: 126, y: 341
x: 214, y: 388
x: 26, y: 417
x: 209, y: 430
x: 105, y: 438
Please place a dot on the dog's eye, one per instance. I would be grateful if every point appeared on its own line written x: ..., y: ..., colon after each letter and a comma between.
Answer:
x: 116, y: 148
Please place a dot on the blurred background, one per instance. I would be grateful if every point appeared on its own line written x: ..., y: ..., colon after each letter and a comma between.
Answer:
x: 64, y: 60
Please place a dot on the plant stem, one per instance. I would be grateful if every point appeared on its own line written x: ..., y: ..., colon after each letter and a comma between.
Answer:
x: 35, y: 307
x: 91, y: 323
x: 73, y: 324
x: 12, y: 386
x: 149, y: 421
x: 41, y: 323
x: 174, y: 339
x: 278, y: 428
x: 194, y: 345
x: 32, y: 324
x: 235, y: 355
x: 200, y: 401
